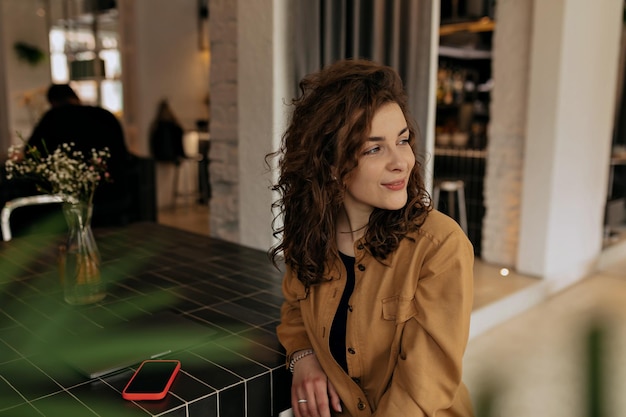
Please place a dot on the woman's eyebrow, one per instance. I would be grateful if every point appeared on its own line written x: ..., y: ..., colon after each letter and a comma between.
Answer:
x: 380, y: 138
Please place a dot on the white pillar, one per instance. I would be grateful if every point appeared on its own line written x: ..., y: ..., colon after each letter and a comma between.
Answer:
x: 573, y: 77
x: 224, y: 166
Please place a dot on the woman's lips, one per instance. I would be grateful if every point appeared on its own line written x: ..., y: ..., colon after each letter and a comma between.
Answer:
x: 395, y: 185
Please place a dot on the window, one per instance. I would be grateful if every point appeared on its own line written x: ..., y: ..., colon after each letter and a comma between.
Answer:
x: 90, y: 61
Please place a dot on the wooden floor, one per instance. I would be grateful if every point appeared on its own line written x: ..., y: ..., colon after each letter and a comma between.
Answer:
x: 537, y: 362
x: 190, y: 217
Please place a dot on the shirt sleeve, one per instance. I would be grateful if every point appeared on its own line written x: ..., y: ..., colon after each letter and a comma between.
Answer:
x: 427, y: 377
x: 291, y: 331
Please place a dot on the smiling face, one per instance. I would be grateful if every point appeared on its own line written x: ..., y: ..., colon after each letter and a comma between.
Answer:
x: 384, y: 165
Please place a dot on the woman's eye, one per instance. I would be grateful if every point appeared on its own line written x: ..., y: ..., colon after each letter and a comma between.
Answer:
x: 371, y: 151
x: 405, y: 141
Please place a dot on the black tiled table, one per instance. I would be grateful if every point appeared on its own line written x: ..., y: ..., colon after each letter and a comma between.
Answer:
x: 149, y: 268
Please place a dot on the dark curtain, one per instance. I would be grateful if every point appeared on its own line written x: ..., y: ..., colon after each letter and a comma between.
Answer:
x: 617, y: 173
x: 619, y: 133
x: 393, y: 32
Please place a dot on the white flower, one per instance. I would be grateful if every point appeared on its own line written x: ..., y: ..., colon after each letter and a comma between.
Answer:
x: 64, y: 171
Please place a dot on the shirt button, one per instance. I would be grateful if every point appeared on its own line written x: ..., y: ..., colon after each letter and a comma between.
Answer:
x: 361, y: 267
x: 360, y: 246
x: 356, y: 379
x: 351, y: 351
x: 361, y: 405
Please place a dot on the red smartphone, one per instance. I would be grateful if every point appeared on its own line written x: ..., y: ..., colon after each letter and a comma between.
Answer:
x: 151, y: 380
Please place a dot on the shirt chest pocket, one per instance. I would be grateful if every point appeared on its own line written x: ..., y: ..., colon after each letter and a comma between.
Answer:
x: 399, y: 309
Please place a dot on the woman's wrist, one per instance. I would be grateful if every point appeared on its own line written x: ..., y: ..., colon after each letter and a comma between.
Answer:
x: 296, y: 356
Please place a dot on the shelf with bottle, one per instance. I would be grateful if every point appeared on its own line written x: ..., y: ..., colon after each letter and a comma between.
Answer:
x: 458, y: 83
x: 462, y: 112
x: 452, y: 136
x: 463, y: 125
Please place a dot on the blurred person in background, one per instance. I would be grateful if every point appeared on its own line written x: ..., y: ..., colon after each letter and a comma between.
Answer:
x: 88, y: 127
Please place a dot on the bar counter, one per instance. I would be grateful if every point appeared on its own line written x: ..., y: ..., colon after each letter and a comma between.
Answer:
x: 232, y: 290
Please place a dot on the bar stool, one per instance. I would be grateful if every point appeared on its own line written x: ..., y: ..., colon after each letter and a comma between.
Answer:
x: 453, y: 188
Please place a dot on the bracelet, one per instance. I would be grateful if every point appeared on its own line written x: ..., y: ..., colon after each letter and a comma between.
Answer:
x: 296, y: 358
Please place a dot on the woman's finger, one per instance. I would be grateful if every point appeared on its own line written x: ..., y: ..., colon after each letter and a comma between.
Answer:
x: 334, y: 397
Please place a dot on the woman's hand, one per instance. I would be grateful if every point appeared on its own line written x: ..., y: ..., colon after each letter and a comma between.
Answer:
x: 311, y: 391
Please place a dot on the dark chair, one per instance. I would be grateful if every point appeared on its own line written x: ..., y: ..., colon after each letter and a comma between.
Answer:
x: 16, y: 203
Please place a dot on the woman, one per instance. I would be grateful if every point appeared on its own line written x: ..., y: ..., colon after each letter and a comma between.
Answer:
x: 378, y: 285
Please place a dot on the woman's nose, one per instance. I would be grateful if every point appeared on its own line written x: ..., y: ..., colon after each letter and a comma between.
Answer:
x: 398, y: 160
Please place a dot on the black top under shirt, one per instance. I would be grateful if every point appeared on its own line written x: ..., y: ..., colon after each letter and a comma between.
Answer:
x: 337, y: 338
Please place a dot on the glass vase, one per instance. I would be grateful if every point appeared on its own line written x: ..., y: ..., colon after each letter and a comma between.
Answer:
x: 79, y: 258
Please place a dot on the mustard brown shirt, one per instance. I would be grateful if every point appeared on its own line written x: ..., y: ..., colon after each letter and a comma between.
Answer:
x: 407, y: 326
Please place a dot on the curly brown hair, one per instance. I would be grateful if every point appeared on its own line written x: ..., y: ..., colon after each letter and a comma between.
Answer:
x: 329, y: 125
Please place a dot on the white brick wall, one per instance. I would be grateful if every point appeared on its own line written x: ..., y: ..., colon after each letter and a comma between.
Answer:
x: 503, y: 179
x: 224, y: 153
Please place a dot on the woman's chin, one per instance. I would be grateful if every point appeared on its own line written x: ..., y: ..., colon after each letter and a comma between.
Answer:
x: 394, y: 204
